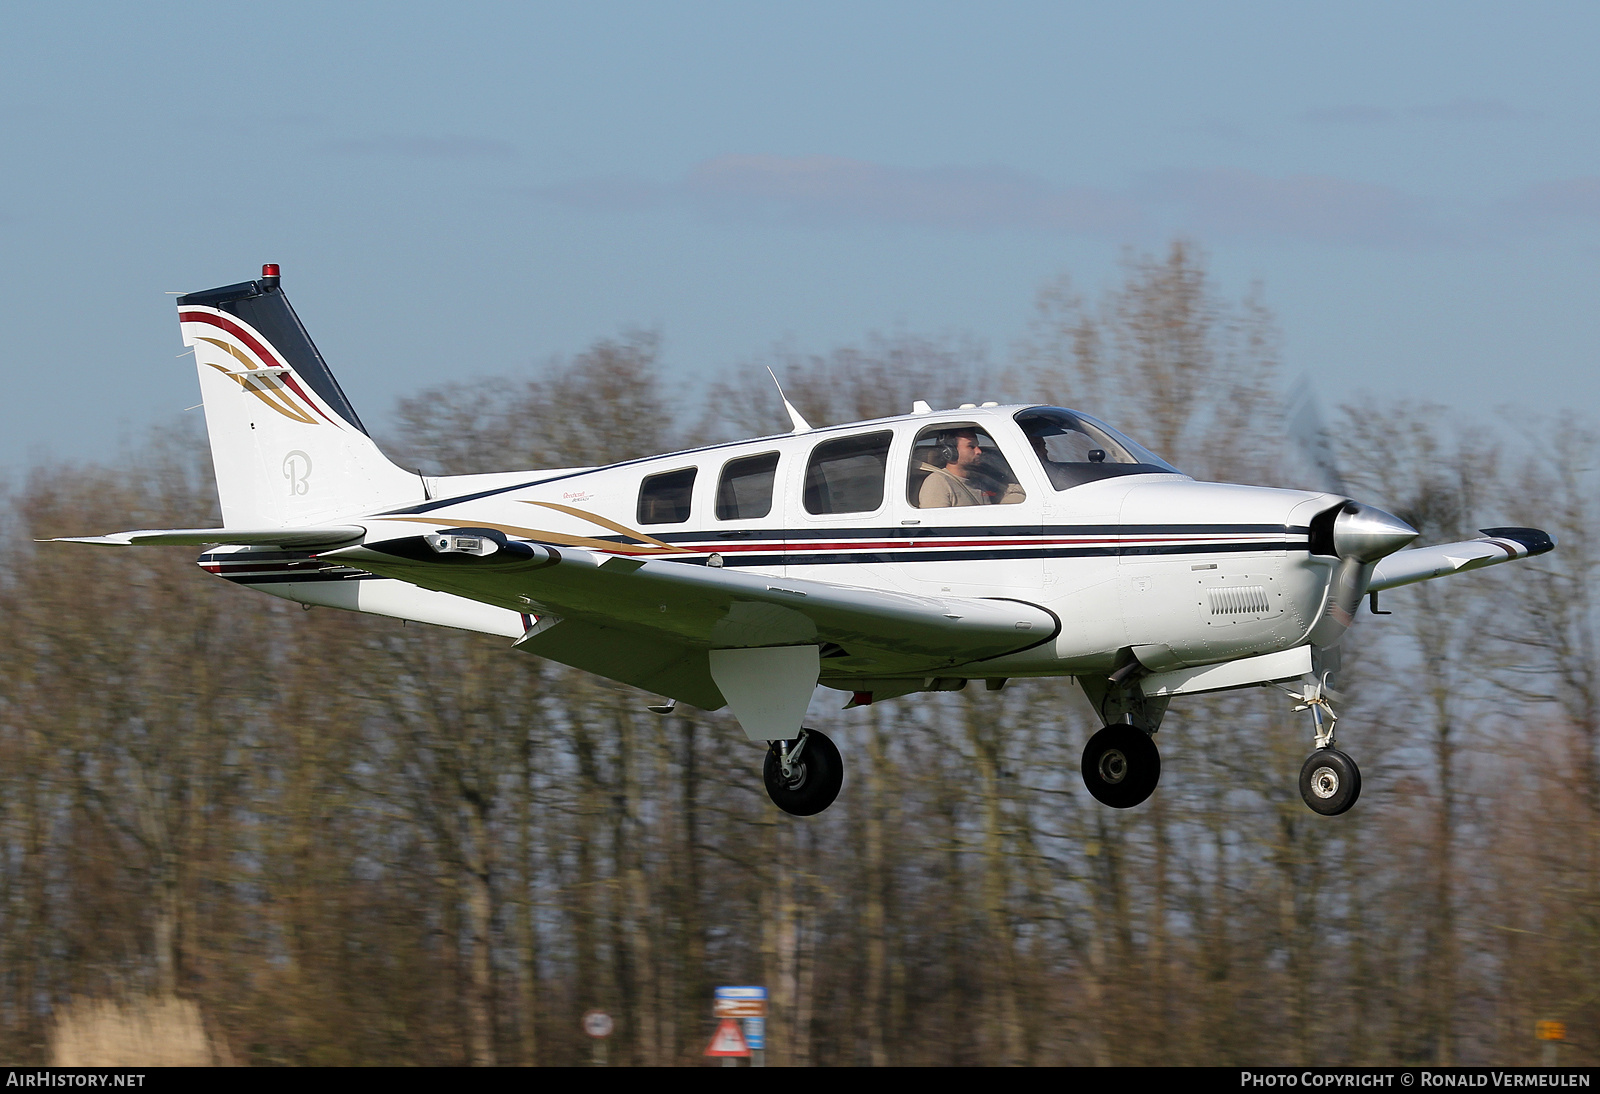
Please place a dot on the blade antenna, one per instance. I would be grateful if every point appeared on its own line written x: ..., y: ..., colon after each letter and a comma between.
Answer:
x: 799, y: 423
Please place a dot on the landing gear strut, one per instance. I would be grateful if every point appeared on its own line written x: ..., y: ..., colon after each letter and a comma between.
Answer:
x: 1121, y: 766
x: 803, y: 776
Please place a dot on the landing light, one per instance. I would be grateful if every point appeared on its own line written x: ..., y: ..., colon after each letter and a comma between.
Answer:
x: 462, y: 545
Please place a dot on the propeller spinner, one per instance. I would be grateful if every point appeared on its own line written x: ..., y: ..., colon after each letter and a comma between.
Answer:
x: 1359, y: 535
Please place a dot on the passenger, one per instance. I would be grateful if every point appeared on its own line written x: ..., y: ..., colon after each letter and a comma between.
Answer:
x: 960, y: 480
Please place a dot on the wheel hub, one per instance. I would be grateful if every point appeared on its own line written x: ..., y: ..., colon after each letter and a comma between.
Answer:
x: 793, y: 771
x: 1324, y: 782
x: 1113, y: 766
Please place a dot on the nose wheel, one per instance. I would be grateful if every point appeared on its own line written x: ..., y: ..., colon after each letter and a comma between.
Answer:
x: 1121, y: 766
x: 803, y: 776
x: 1330, y: 782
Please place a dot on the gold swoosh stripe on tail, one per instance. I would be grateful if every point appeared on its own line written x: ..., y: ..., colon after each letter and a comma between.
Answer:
x: 274, y: 399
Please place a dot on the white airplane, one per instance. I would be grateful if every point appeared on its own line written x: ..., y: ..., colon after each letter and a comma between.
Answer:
x: 908, y: 554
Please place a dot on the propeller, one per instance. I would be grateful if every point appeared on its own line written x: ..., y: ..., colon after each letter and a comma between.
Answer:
x: 1308, y: 429
x: 1359, y: 536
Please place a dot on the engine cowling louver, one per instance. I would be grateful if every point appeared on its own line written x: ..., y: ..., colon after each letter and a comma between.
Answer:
x: 1239, y: 600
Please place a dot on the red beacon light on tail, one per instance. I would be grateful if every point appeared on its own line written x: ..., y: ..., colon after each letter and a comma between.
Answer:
x: 269, y: 275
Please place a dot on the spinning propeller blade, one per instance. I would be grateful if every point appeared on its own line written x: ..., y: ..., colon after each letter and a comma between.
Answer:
x: 1309, y: 431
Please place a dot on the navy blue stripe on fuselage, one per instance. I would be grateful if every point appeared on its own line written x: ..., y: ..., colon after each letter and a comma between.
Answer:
x: 896, y: 545
x: 1007, y: 531
x: 869, y: 557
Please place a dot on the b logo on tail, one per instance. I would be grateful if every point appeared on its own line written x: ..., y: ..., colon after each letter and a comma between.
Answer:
x: 297, y: 469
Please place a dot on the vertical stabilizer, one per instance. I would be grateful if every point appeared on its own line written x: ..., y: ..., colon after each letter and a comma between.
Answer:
x: 287, y: 445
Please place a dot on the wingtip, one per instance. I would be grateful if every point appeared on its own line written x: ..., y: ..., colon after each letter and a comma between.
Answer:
x: 1536, y: 540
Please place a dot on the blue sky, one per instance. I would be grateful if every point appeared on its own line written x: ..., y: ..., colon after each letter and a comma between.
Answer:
x: 455, y: 191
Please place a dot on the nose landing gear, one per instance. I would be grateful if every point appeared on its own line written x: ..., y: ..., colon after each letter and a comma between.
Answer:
x: 1330, y: 781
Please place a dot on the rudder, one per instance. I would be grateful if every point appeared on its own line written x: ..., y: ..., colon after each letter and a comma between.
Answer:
x: 287, y: 446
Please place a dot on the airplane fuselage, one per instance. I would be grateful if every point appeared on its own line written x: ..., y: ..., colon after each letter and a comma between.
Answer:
x: 1184, y: 572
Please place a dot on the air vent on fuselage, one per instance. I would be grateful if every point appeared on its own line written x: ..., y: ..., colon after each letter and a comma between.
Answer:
x: 1239, y: 600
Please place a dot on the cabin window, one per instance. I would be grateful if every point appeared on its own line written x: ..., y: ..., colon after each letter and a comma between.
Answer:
x: 846, y: 475
x: 960, y: 464
x: 664, y: 499
x: 745, y: 491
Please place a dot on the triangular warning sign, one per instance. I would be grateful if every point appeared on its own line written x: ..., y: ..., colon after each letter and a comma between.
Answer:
x: 727, y: 1041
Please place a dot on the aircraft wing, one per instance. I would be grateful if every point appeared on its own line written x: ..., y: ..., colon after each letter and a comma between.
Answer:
x: 1421, y: 563
x: 653, y: 619
x: 326, y: 536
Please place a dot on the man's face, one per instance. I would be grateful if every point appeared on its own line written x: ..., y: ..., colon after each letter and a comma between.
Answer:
x: 967, y: 451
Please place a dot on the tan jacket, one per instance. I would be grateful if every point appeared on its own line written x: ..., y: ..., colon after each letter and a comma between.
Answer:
x: 941, y: 490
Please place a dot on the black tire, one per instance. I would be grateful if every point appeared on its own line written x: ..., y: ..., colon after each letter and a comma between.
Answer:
x: 1121, y: 766
x: 1330, y: 782
x: 815, y: 783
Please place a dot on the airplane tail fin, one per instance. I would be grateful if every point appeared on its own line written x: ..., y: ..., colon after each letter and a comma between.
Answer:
x: 287, y: 445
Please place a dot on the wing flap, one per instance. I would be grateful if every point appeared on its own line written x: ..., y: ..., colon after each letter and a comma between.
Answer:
x: 643, y: 661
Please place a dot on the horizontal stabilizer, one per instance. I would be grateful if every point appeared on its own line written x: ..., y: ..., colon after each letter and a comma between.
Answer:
x: 330, y: 536
x: 1421, y: 563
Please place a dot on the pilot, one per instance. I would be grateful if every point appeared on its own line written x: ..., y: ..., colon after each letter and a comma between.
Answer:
x: 960, y: 481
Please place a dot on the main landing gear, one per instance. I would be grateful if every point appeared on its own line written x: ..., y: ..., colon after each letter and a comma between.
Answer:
x: 1121, y: 766
x: 1330, y: 781
x: 803, y: 776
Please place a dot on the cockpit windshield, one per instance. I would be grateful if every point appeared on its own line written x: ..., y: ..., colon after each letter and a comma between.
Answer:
x: 1074, y: 448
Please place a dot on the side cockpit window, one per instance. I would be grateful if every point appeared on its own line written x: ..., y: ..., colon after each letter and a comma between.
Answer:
x: 745, y: 490
x: 664, y: 499
x: 960, y: 464
x: 1074, y: 448
x: 846, y: 475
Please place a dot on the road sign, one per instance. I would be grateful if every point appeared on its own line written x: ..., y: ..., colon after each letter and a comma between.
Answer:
x: 728, y: 1041
x: 755, y: 1033
x: 597, y: 1023
x: 740, y: 1002
x: 1547, y: 1030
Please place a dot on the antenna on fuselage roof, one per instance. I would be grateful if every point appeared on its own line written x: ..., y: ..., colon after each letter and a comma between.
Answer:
x: 799, y: 423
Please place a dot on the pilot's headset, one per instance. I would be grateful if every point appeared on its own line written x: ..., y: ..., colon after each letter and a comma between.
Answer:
x: 945, y: 449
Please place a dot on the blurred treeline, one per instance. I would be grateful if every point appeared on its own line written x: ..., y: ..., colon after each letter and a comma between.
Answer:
x: 352, y: 841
